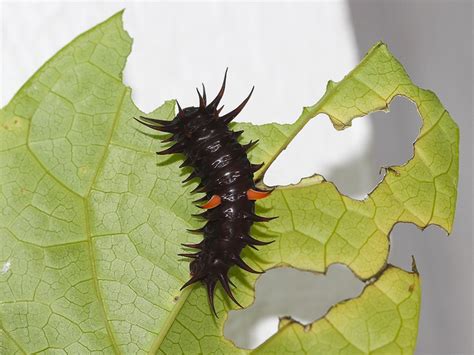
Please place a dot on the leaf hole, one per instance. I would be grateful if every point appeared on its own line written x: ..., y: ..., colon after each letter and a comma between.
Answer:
x: 353, y: 159
x: 283, y: 292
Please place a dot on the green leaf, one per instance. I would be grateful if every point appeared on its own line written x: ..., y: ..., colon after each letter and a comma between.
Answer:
x: 92, y: 219
x: 319, y: 226
x: 382, y: 320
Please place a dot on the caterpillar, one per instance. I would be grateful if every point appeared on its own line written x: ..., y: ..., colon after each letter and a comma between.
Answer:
x: 216, y: 157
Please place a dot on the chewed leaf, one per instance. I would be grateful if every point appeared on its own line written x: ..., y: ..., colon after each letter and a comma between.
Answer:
x: 322, y: 226
x: 383, y: 319
x: 92, y: 219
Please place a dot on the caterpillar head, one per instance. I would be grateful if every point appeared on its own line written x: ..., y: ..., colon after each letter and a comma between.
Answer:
x: 191, y: 118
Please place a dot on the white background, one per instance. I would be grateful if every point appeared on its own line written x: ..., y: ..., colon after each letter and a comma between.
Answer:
x: 289, y: 51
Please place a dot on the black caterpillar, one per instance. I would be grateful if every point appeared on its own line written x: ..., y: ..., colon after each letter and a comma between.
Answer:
x: 216, y: 157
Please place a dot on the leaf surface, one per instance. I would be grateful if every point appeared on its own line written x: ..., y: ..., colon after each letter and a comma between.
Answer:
x: 382, y: 320
x: 92, y: 219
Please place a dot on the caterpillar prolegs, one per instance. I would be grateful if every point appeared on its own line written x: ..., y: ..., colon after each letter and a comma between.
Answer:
x: 213, y: 152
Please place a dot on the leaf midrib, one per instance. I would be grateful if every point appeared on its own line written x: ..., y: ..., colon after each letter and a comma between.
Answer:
x: 171, y: 319
x: 90, y: 244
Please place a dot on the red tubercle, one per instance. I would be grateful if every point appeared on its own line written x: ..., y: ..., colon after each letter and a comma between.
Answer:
x: 214, y: 201
x: 257, y: 195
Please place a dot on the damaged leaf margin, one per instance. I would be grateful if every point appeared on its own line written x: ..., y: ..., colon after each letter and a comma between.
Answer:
x: 332, y: 228
x: 382, y: 320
